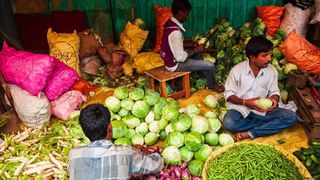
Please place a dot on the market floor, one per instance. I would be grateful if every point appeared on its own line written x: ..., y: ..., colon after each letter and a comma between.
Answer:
x: 291, y: 139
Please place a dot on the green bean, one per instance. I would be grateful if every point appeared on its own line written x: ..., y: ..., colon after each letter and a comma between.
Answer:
x: 252, y: 161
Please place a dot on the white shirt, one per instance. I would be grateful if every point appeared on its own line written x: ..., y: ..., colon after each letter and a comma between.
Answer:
x: 176, y: 45
x: 242, y: 83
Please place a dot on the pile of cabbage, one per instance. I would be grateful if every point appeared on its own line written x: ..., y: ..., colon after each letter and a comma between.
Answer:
x: 230, y: 45
x: 143, y: 117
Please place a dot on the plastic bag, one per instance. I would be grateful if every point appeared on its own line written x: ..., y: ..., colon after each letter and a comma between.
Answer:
x: 299, y: 51
x: 163, y: 14
x: 61, y: 80
x: 90, y: 64
x: 67, y: 103
x: 147, y: 60
x: 132, y: 39
x: 65, y: 47
x: 295, y: 19
x: 27, y: 70
x: 33, y: 111
x: 89, y: 43
x: 271, y: 16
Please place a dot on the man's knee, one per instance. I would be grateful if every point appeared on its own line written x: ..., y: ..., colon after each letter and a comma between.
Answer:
x: 229, y: 124
x: 291, y: 117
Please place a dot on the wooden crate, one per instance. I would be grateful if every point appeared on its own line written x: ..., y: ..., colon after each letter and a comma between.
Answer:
x: 309, y: 110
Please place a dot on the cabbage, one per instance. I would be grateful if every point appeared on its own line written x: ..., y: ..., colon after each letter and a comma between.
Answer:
x: 171, y: 155
x: 162, y: 124
x: 175, y: 139
x: 114, y: 116
x: 142, y: 128
x: 123, y: 141
x: 159, y: 106
x: 284, y: 95
x: 131, y: 121
x: 151, y: 97
x: 170, y: 113
x: 214, y: 124
x: 264, y: 103
x: 119, y: 129
x: 211, y: 138
x: 183, y: 123
x: 169, y: 128
x: 192, y: 109
x: 222, y: 113
x: 186, y: 155
x: 140, y: 109
x: 112, y: 103
x: 154, y: 126
x: 203, y: 153
x: 211, y: 114
x: 127, y: 104
x: 151, y: 138
x: 121, y: 92
x: 195, y: 167
x: 289, y: 67
x: 130, y: 133
x: 225, y: 139
x: 172, y: 102
x: 193, y: 141
x: 163, y: 135
x: 142, y: 81
x: 123, y: 112
x: 136, y: 94
x: 137, y: 139
x: 211, y: 101
x: 150, y: 117
x: 199, y: 124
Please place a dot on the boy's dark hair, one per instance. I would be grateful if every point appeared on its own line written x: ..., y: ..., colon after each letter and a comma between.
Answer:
x: 94, y: 120
x: 180, y: 5
x: 257, y: 45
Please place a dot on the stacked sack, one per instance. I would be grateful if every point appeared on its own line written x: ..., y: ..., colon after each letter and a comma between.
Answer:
x: 35, y: 81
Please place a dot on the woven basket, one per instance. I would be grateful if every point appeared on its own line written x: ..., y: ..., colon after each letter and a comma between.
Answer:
x: 302, y: 169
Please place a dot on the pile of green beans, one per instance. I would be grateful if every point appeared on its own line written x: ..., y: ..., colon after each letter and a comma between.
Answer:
x: 252, y: 161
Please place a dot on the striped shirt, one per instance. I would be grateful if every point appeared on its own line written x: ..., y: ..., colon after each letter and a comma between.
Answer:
x: 104, y: 160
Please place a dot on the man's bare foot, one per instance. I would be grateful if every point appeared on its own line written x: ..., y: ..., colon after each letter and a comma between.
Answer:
x: 242, y: 135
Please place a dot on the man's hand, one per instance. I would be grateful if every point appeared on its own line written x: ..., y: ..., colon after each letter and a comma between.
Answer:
x: 199, y: 49
x: 274, y: 104
x: 145, y: 149
x: 251, y: 103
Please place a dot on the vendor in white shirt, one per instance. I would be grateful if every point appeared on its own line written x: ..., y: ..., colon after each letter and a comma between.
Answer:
x: 248, y: 81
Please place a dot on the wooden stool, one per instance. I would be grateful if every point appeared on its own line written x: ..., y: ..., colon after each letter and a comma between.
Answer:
x: 162, y: 76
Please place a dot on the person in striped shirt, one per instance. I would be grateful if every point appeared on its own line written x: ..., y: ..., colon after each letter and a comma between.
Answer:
x: 101, y: 159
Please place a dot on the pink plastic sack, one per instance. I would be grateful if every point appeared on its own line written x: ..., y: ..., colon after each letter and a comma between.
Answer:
x: 27, y: 70
x: 67, y: 103
x: 61, y: 80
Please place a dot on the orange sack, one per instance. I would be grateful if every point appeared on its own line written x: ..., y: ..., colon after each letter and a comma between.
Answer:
x: 299, y: 51
x: 271, y: 16
x: 162, y: 16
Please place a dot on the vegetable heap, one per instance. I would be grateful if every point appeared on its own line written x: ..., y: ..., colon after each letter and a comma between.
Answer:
x: 310, y: 157
x: 252, y: 161
x: 41, y: 153
x: 143, y: 117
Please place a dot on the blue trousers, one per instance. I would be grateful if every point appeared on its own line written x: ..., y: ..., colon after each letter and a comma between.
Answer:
x: 206, y: 67
x: 273, y: 122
